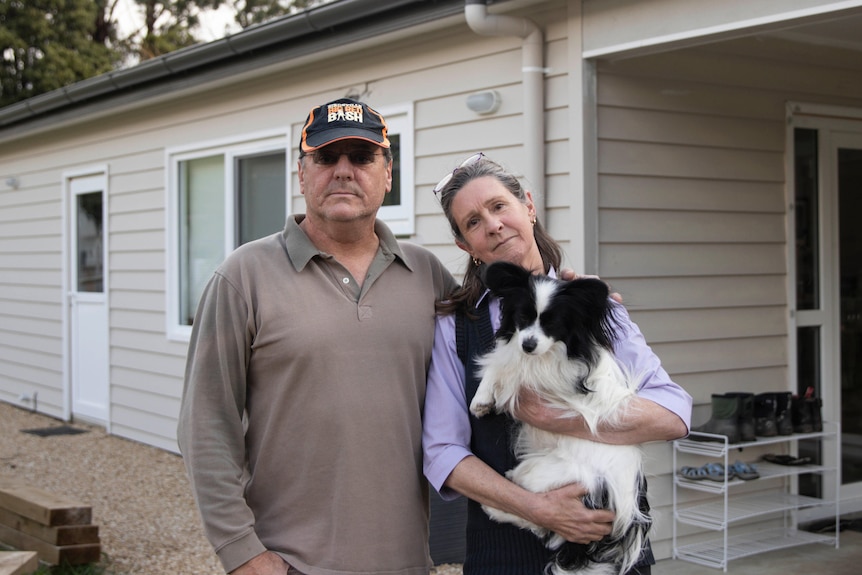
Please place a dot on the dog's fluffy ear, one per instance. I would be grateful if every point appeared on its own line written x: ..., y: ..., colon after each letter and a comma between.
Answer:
x: 593, y: 306
x: 502, y: 277
x: 590, y: 291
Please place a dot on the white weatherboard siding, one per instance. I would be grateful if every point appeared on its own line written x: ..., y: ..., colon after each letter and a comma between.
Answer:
x: 691, y: 210
x: 692, y: 200
x: 692, y: 216
x: 146, y: 366
x: 30, y: 305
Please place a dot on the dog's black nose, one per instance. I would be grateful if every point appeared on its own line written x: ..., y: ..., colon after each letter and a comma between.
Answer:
x: 529, y: 344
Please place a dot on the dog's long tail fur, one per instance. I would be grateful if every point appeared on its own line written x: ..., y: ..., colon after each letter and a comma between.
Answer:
x: 621, y: 550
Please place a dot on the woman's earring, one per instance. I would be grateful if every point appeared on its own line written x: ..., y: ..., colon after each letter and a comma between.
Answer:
x: 476, y: 262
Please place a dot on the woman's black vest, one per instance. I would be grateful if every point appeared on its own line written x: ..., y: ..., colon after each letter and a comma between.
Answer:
x: 496, y: 548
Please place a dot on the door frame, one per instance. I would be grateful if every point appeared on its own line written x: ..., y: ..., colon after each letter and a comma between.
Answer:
x: 836, y: 127
x: 68, y: 229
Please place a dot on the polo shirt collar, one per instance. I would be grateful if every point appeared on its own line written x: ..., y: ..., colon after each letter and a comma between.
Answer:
x: 300, y: 250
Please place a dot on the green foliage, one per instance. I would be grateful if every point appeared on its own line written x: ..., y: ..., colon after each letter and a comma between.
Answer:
x: 48, y: 44
x: 88, y: 569
x: 168, y: 25
x: 250, y: 12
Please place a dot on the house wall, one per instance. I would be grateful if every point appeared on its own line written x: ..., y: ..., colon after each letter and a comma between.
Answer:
x: 691, y: 200
x: 435, y: 70
x: 693, y: 212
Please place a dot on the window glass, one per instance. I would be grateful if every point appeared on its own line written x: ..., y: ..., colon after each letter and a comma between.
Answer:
x: 89, y: 243
x: 202, y: 228
x: 398, y: 205
x: 212, y: 224
x: 393, y: 198
x: 807, y: 228
x: 261, y: 195
x: 809, y: 369
x: 850, y: 311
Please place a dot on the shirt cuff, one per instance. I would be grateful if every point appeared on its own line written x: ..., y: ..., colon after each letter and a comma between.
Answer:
x: 439, y: 470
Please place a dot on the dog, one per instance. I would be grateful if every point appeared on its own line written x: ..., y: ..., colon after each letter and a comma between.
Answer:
x: 555, y: 338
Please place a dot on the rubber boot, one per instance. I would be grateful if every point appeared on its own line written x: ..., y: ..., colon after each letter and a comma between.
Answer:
x: 803, y: 419
x: 810, y: 415
x: 724, y: 419
x: 765, y: 415
x: 783, y: 418
x: 746, y: 415
x: 816, y: 405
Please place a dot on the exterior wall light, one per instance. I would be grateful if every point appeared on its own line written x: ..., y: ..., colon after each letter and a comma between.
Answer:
x: 486, y: 102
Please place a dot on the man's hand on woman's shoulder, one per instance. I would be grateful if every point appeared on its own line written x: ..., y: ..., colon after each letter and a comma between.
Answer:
x: 569, y: 274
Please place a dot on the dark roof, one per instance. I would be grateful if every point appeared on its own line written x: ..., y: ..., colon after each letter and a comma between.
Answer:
x: 326, y: 26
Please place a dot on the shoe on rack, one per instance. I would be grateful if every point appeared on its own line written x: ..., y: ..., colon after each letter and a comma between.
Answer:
x: 816, y: 410
x: 786, y: 459
x: 765, y: 415
x: 693, y: 473
x: 724, y: 419
x: 746, y: 420
x: 815, y: 407
x: 745, y: 471
x: 711, y: 471
x: 783, y: 412
x: 803, y: 412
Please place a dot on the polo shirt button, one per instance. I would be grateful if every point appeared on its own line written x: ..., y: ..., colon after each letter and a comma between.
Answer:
x: 345, y: 280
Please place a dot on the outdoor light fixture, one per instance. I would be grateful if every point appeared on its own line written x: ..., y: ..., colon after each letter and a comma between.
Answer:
x: 486, y: 102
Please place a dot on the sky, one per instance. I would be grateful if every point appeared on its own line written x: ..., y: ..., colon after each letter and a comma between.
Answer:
x: 212, y: 26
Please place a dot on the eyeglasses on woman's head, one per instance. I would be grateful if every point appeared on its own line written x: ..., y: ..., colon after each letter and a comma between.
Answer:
x: 448, y: 177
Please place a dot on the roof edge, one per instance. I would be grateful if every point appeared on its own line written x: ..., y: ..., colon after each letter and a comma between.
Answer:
x: 197, y: 57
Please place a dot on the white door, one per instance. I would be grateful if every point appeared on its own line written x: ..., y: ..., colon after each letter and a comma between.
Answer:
x: 88, y: 310
x: 846, y: 158
x: 828, y: 287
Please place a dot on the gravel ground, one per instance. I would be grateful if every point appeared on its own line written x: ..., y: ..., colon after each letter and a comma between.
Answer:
x: 148, y: 523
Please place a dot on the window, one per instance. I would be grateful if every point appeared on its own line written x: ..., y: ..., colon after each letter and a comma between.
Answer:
x: 220, y: 196
x: 224, y: 194
x: 398, y: 207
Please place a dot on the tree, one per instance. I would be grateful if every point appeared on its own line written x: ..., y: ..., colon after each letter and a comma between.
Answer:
x: 250, y: 12
x: 168, y: 25
x: 49, y: 44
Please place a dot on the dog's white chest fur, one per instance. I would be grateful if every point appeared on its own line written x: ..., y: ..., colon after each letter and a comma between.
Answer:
x: 533, y: 354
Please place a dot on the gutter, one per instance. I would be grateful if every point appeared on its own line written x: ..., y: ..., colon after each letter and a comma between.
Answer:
x: 319, y: 22
x: 533, y: 71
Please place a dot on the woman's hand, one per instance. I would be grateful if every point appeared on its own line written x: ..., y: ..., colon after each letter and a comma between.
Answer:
x: 563, y: 511
x: 569, y: 274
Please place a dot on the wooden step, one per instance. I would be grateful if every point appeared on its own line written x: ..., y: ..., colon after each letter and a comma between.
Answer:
x: 57, y: 535
x: 42, y: 506
x: 58, y: 529
x: 18, y: 562
x: 53, y: 554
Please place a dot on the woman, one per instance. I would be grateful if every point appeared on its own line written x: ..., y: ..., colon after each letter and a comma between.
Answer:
x: 494, y: 219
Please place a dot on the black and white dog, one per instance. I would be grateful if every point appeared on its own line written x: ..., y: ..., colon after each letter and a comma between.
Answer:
x: 556, y: 338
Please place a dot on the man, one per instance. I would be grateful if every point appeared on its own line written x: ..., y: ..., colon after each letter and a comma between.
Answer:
x: 300, y: 423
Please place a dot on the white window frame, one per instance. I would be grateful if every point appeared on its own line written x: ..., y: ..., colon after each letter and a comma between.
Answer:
x: 401, y: 219
x: 249, y: 144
